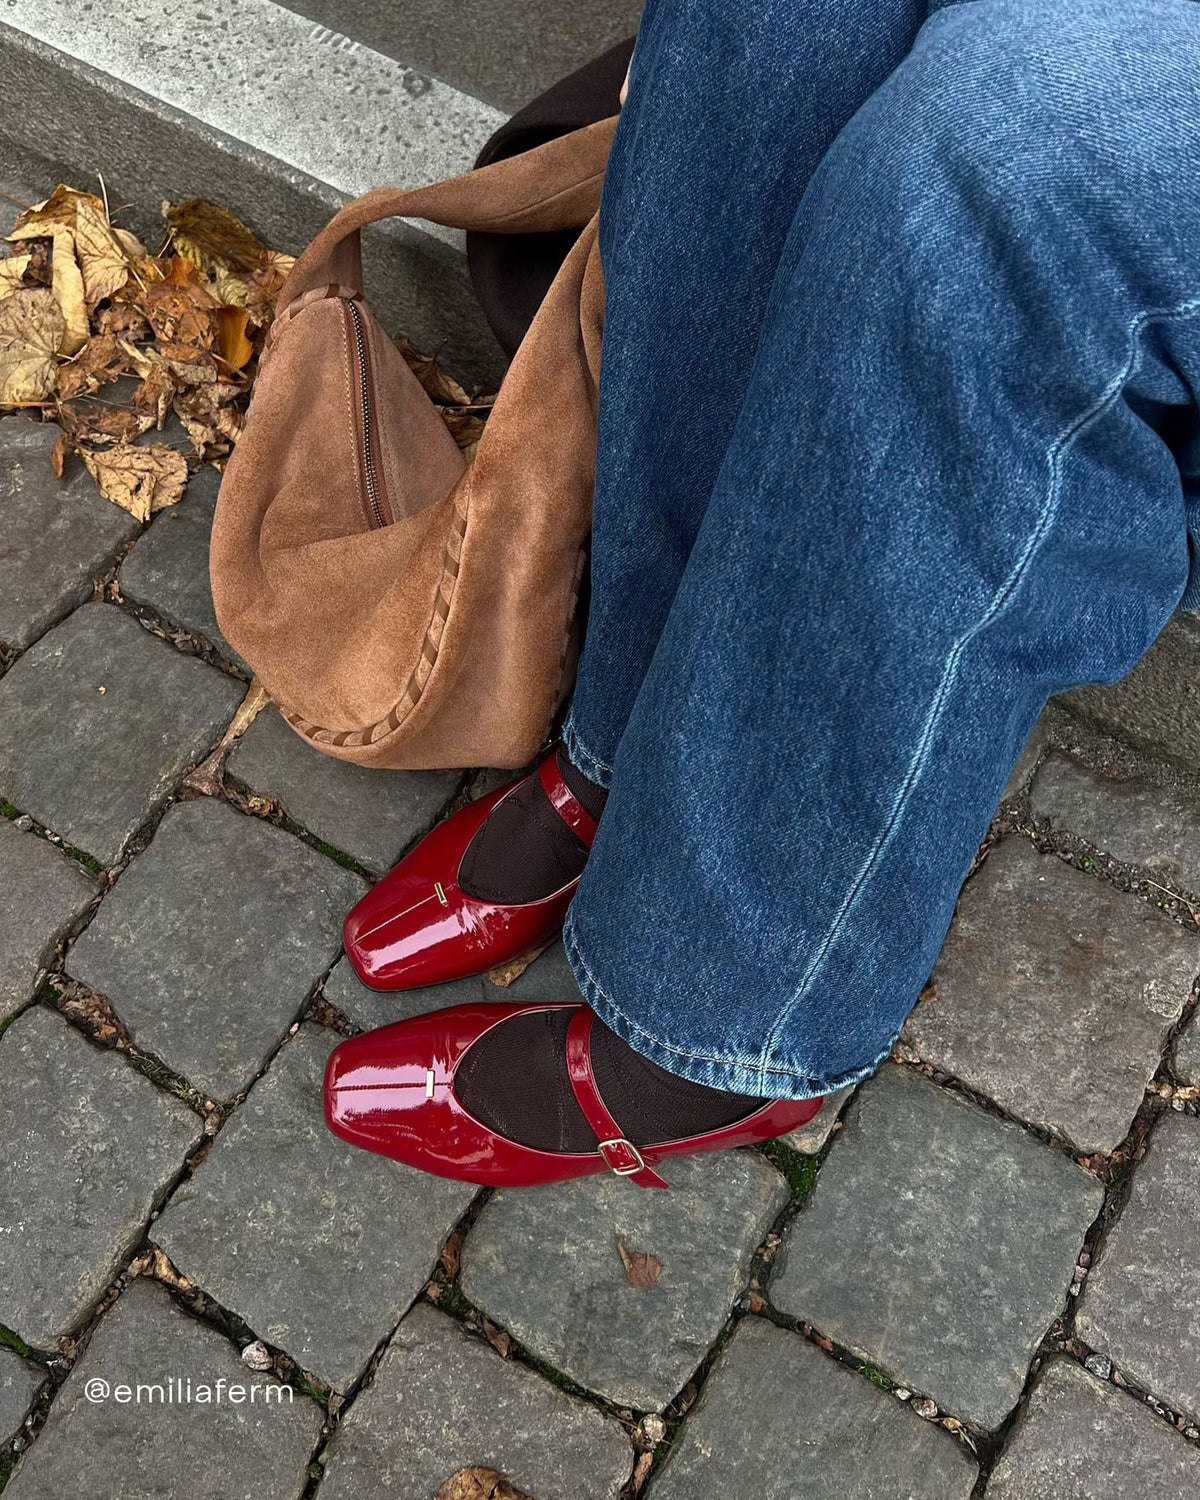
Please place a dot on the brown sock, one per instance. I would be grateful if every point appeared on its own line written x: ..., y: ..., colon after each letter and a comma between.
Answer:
x: 515, y: 1080
x: 525, y: 852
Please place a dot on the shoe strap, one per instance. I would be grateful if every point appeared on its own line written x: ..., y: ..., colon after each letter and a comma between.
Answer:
x: 621, y: 1156
x: 564, y: 801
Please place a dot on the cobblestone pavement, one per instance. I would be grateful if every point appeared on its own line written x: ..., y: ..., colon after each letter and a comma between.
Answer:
x: 977, y: 1276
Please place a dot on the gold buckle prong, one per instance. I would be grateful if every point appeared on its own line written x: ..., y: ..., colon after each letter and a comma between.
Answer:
x: 620, y: 1140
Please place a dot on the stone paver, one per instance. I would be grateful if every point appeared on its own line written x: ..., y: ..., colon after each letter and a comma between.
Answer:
x: 1081, y: 1439
x: 544, y: 1263
x: 1131, y: 818
x: 147, y: 1445
x: 1054, y: 995
x: 549, y: 977
x: 369, y: 1008
x: 1142, y: 1303
x: 44, y: 892
x: 318, y: 1245
x: 86, y: 1146
x: 443, y: 1401
x: 1026, y: 761
x: 1157, y: 706
x: 210, y: 941
x: 778, y: 1419
x: 811, y: 1138
x: 20, y: 1381
x: 1187, y: 1054
x: 370, y: 814
x: 57, y: 537
x: 167, y: 570
x: 939, y: 1244
x: 93, y: 765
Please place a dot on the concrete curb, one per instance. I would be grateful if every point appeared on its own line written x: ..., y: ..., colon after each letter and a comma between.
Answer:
x: 168, y: 106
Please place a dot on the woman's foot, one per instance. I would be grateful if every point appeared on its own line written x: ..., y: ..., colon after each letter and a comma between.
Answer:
x: 523, y: 1094
x: 485, y: 887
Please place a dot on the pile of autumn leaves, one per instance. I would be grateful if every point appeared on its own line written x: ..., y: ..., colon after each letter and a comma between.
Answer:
x: 83, y: 304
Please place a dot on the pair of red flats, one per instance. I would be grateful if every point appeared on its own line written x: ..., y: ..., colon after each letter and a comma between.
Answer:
x: 392, y: 1091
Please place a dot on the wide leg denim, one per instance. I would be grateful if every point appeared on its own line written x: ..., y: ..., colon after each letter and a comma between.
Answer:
x: 898, y: 437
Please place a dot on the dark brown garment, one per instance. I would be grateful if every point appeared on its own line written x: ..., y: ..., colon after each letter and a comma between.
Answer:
x: 512, y: 272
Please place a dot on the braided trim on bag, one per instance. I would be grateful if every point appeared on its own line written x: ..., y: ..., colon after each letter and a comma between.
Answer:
x: 426, y: 661
x: 306, y: 299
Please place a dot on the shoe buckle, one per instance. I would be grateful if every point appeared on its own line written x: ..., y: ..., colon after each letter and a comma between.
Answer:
x: 619, y: 1144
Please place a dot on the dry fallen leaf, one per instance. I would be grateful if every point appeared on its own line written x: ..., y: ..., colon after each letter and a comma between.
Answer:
x: 439, y: 386
x: 95, y: 424
x: 212, y: 424
x: 139, y: 480
x: 182, y: 271
x: 12, y: 273
x: 181, y: 313
x: 67, y: 285
x: 257, y: 291
x: 466, y: 427
x: 122, y: 317
x: 130, y: 243
x: 251, y: 706
x: 156, y: 392
x: 140, y: 361
x: 509, y: 973
x: 31, y: 330
x: 500, y: 1341
x: 161, y: 1268
x: 641, y: 1269
x: 213, y: 237
x: 58, y: 211
x: 451, y: 1256
x: 101, y: 256
x: 85, y: 304
x: 232, y: 344
x: 480, y: 1484
x: 105, y: 358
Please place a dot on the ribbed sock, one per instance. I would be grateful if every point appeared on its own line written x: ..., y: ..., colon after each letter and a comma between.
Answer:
x: 525, y: 852
x: 515, y: 1080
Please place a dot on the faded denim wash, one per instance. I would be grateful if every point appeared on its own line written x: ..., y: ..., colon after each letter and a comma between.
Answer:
x: 898, y: 437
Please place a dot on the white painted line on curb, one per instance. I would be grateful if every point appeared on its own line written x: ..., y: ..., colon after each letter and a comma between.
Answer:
x: 294, y: 90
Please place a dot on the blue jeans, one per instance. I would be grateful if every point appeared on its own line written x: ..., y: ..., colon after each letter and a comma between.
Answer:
x: 897, y: 439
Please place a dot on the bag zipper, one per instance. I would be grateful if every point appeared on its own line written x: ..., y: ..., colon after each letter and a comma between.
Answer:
x: 377, y: 510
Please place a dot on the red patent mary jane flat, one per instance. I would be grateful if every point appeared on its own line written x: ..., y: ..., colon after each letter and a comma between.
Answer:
x: 392, y: 1091
x: 419, y: 927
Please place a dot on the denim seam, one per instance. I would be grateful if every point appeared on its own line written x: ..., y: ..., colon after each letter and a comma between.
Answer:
x: 577, y: 751
x: 627, y: 1028
x: 999, y: 603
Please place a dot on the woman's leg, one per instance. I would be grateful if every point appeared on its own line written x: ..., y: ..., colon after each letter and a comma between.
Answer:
x: 730, y: 111
x: 952, y: 489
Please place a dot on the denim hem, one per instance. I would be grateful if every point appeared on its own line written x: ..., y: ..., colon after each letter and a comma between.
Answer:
x: 737, y: 1075
x: 582, y: 758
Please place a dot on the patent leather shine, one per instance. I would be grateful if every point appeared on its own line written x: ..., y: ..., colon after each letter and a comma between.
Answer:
x: 392, y: 1092
x: 419, y: 927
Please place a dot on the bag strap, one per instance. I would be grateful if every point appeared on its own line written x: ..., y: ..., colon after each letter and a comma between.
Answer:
x: 554, y: 186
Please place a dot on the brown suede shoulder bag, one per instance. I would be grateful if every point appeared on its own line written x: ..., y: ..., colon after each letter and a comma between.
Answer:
x: 402, y: 606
